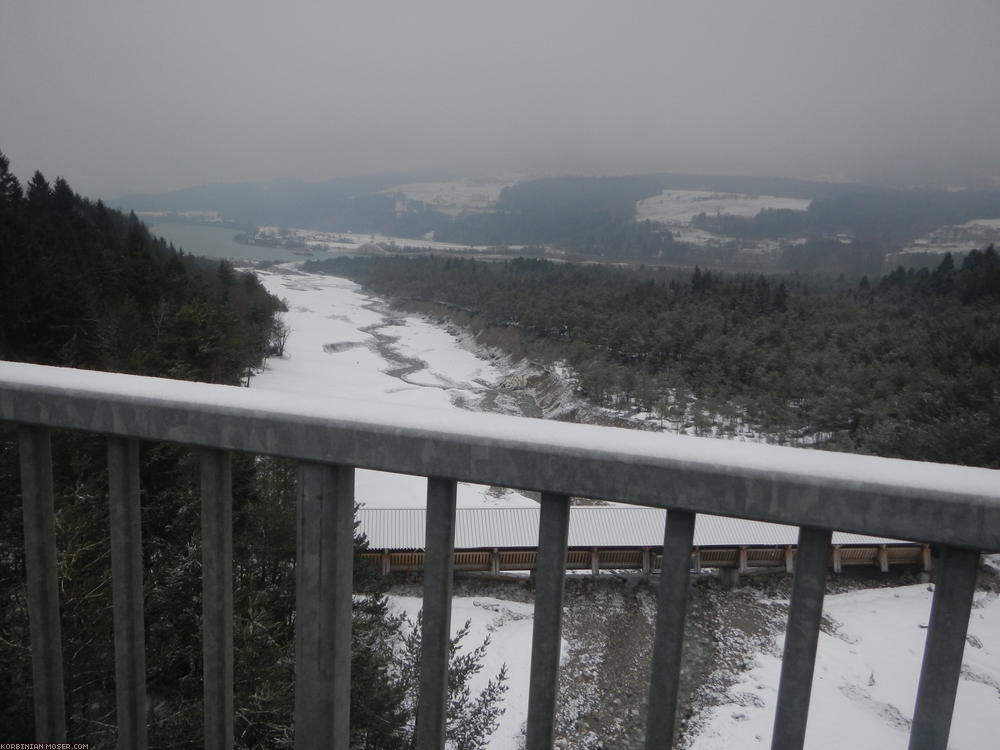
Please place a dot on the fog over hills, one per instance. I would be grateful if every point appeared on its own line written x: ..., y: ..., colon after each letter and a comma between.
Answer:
x: 737, y: 222
x: 119, y: 97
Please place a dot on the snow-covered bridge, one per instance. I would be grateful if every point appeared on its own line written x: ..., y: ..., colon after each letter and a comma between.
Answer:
x: 613, y: 537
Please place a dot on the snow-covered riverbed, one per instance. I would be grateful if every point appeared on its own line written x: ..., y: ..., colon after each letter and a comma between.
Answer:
x: 348, y: 344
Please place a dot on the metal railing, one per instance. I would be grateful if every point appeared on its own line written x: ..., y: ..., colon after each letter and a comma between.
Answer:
x: 955, y: 508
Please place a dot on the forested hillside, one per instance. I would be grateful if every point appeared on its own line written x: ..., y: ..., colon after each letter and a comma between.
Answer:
x: 906, y: 365
x: 89, y: 287
x: 86, y: 286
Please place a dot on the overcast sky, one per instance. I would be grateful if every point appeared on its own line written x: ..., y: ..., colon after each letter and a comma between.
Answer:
x: 121, y: 95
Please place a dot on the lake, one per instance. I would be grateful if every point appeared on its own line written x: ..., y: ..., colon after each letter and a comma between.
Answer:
x: 215, y: 242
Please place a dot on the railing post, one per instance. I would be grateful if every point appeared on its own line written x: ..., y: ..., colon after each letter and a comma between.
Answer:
x: 439, y: 556
x: 942, y: 665
x: 675, y: 573
x: 217, y: 597
x: 127, y: 592
x: 553, y: 533
x: 323, y: 587
x: 801, y: 638
x: 43, y: 584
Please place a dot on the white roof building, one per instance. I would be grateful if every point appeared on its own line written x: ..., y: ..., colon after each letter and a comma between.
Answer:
x: 589, y: 526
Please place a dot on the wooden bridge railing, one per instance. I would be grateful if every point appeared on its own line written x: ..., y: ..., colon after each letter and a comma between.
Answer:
x: 647, y: 559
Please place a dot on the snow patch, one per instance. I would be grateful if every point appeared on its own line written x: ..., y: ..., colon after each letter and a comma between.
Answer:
x: 679, y: 207
x: 865, y: 681
x: 508, y: 625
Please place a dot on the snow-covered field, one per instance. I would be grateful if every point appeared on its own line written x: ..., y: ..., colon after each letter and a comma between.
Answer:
x: 865, y: 682
x: 959, y: 238
x: 681, y: 206
x: 677, y: 208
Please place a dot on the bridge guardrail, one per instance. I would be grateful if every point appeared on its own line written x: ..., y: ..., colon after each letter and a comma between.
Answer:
x: 955, y: 507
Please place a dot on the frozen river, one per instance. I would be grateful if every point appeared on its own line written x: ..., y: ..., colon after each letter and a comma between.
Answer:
x: 348, y: 344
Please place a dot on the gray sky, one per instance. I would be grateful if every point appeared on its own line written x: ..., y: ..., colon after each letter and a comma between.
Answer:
x: 120, y: 95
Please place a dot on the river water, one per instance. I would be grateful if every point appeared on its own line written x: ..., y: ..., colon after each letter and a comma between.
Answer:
x: 216, y: 242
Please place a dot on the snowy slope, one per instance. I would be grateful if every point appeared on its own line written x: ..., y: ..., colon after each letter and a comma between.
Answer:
x: 866, y: 678
x: 680, y: 206
x: 508, y: 625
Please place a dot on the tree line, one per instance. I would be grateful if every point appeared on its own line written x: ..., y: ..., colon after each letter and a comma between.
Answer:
x: 904, y: 365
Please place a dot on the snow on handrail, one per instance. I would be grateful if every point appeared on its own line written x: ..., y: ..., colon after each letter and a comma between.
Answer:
x: 862, y: 494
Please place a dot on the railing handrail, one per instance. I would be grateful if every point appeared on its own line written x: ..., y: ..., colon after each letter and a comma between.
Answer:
x: 937, y: 503
x: 957, y: 507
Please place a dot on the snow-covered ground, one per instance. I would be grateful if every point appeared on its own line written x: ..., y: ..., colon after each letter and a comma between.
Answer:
x: 508, y: 625
x: 958, y: 238
x: 345, y: 343
x: 865, y: 681
x: 345, y: 243
x: 679, y: 207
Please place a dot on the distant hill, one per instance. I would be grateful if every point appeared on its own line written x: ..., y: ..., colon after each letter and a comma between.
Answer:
x: 327, y: 204
x: 288, y: 202
x: 848, y: 227
x: 87, y: 286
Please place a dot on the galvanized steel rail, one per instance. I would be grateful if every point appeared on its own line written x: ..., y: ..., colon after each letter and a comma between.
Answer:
x: 956, y: 508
